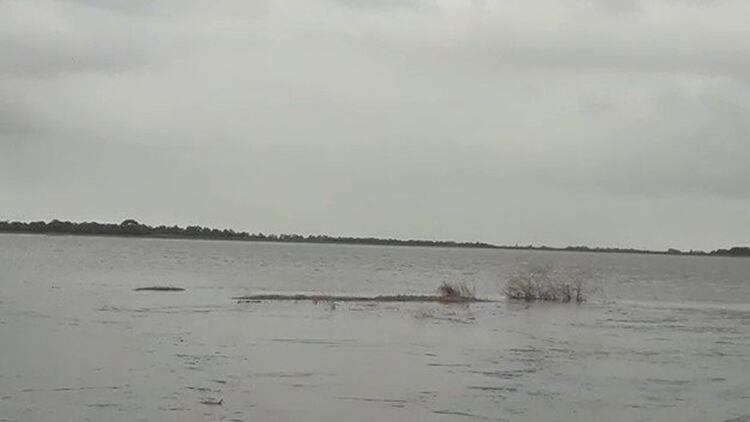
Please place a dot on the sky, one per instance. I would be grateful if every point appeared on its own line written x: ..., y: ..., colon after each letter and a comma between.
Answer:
x: 554, y: 122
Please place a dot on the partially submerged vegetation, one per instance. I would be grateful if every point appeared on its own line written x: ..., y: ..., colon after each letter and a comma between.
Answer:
x: 159, y: 289
x: 542, y: 284
x: 447, y: 293
x: 456, y: 291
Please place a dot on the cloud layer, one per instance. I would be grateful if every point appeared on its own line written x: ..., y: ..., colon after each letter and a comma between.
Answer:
x: 619, y: 123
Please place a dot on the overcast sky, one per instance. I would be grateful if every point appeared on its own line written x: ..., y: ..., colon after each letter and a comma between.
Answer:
x: 612, y: 123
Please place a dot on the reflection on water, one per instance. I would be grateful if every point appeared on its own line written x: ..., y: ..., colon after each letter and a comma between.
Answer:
x: 664, y: 338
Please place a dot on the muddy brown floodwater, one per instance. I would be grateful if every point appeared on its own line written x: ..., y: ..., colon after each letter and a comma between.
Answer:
x: 661, y: 339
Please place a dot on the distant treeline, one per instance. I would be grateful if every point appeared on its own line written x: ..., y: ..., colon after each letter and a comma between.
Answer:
x: 133, y: 228
x: 735, y: 251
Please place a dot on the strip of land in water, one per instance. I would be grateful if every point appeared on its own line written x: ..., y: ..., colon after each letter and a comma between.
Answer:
x: 132, y: 228
x: 344, y: 298
x: 159, y: 289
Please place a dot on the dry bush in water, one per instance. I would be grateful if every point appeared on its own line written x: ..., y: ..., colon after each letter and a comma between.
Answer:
x: 543, y: 284
x: 456, y: 291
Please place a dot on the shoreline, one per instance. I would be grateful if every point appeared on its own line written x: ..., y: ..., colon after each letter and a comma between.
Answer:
x: 133, y: 228
x: 382, y: 242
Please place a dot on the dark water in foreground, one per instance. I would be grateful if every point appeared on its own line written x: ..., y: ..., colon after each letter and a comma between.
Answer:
x: 662, y: 339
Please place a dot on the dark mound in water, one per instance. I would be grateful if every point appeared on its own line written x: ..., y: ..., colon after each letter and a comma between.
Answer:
x: 159, y: 289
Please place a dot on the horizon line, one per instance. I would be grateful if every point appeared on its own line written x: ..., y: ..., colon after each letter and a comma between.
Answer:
x: 132, y: 228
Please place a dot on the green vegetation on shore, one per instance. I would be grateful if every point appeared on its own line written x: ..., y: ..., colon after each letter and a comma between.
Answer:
x: 132, y: 228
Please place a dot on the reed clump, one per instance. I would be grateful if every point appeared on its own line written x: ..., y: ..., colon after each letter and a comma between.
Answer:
x: 456, y: 291
x: 542, y: 284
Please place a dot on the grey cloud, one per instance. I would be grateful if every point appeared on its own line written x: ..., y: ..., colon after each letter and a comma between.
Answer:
x: 44, y: 39
x: 126, y: 6
x: 15, y: 117
x: 499, y: 121
x: 620, y: 6
x: 386, y: 5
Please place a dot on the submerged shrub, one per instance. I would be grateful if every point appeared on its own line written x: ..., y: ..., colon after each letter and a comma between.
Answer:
x: 542, y: 284
x: 456, y: 291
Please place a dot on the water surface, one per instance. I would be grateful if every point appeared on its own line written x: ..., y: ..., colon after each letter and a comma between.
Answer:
x: 663, y: 338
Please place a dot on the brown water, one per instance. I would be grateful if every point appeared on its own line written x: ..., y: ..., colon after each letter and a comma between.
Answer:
x: 662, y: 339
